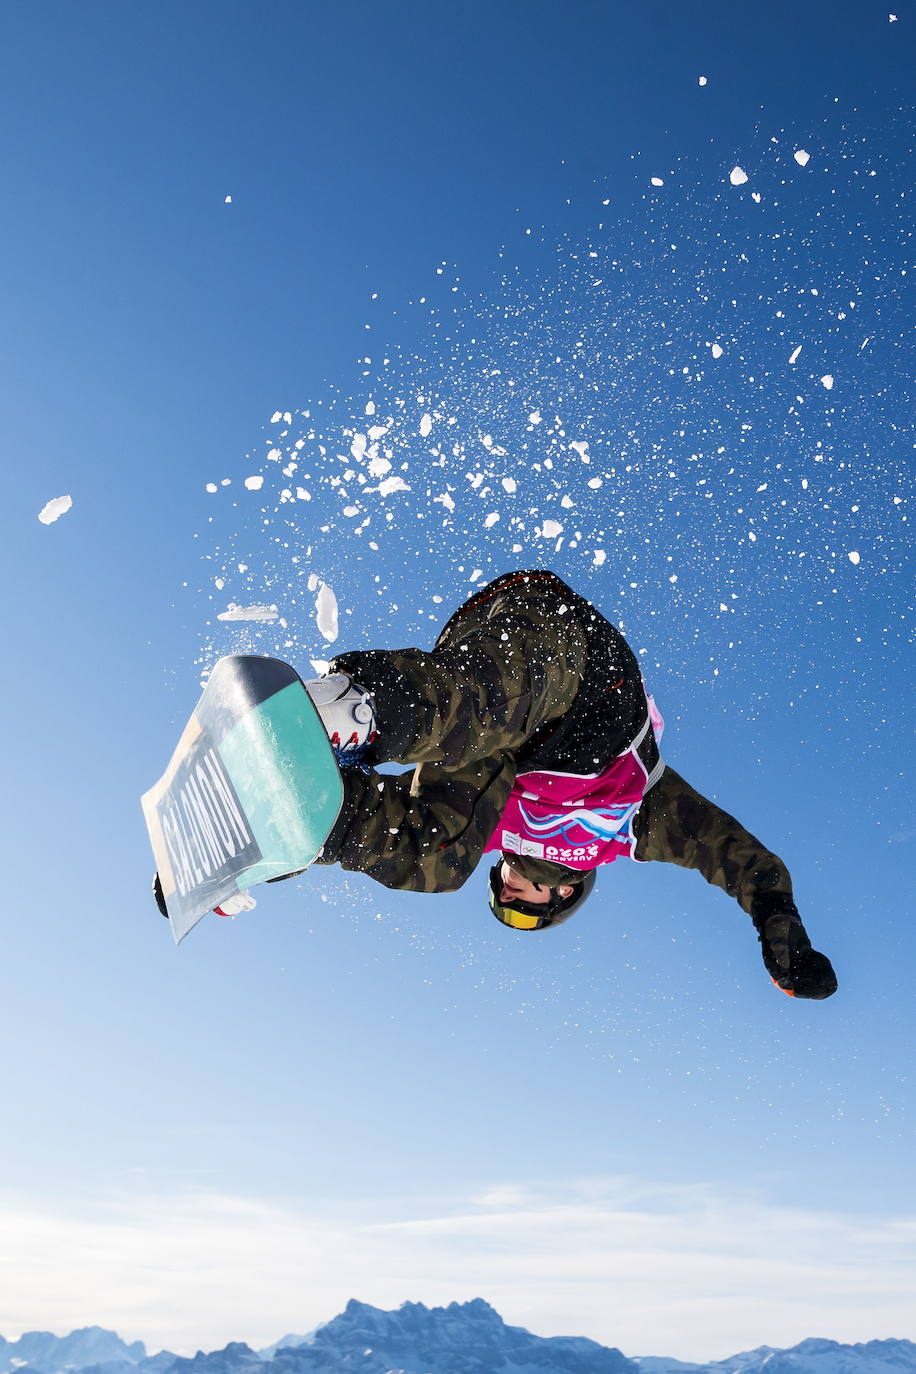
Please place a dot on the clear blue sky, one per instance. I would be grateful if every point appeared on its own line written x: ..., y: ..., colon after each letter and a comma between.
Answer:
x: 619, y: 1129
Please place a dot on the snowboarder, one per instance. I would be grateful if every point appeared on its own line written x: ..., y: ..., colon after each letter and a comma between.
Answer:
x: 532, y: 738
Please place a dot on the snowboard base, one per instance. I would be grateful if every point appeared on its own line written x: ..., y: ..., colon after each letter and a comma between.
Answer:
x: 251, y: 792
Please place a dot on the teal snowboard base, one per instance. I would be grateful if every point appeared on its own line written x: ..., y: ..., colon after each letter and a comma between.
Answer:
x: 251, y: 792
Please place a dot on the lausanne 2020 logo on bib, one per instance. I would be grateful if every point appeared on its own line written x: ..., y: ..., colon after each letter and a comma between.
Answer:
x: 606, y: 823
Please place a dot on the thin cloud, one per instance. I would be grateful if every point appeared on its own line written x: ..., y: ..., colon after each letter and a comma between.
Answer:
x: 693, y: 1272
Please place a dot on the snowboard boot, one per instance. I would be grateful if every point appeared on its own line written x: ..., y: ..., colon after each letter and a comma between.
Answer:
x: 348, y: 715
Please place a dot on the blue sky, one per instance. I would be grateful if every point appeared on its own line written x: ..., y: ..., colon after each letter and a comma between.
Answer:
x: 445, y: 225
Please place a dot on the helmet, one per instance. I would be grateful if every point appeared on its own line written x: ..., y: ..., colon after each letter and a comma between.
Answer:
x: 539, y: 915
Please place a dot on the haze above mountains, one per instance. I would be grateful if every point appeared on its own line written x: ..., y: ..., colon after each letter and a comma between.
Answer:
x: 463, y: 1338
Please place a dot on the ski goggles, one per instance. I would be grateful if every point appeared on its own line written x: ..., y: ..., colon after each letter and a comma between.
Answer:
x: 517, y: 914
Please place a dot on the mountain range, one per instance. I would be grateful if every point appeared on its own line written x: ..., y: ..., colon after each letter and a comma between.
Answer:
x: 463, y: 1338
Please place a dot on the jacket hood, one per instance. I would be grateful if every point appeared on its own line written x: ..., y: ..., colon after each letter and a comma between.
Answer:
x: 542, y: 870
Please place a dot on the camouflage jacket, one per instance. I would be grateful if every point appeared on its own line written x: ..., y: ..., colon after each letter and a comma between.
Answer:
x: 502, y: 682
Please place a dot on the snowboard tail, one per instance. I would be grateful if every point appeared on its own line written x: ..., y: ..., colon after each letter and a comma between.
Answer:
x: 251, y: 792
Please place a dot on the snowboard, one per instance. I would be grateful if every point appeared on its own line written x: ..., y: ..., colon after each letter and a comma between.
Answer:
x: 251, y: 792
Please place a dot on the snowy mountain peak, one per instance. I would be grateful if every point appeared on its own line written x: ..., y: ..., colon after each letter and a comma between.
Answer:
x: 462, y: 1338
x: 89, y: 1345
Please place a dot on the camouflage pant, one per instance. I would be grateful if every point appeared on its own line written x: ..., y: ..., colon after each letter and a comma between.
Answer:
x: 505, y: 664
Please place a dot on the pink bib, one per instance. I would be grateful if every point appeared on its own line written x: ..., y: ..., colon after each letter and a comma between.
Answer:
x: 579, y: 820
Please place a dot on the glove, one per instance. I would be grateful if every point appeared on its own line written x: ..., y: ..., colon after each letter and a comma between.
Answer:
x: 811, y: 975
x: 158, y: 897
x: 242, y: 901
x: 793, y: 965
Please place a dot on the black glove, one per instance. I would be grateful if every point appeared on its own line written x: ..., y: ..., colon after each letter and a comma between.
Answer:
x: 811, y: 975
x: 157, y: 895
x: 790, y: 961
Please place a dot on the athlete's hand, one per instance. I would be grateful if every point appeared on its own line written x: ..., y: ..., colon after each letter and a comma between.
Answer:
x: 810, y: 975
x: 242, y: 901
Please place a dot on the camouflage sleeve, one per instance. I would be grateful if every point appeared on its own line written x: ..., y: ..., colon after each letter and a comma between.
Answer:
x: 423, y: 831
x: 677, y: 825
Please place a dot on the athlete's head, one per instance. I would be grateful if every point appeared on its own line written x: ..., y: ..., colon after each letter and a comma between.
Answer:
x: 546, y: 896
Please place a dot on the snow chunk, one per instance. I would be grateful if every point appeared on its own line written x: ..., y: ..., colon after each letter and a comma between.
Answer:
x: 600, y: 556
x: 491, y: 520
x: 370, y: 407
x: 827, y: 382
x: 326, y: 612
x: 254, y: 483
x: 737, y: 176
x: 358, y: 447
x: 534, y: 418
x: 657, y: 181
x: 793, y: 356
x: 446, y: 501
x: 212, y: 487
x: 227, y: 200
x: 426, y: 426
x: 716, y: 350
x: 55, y: 509
x: 802, y: 158
x: 510, y: 484
x: 580, y: 446
x: 248, y: 612
x: 702, y: 81
x: 853, y: 556
x: 550, y: 529
x: 379, y: 466
x: 392, y: 484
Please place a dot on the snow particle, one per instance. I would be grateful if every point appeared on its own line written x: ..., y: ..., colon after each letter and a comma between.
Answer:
x: 55, y: 509
x: 392, y: 484
x: 737, y: 176
x: 717, y: 350
x: 254, y: 483
x: 827, y: 382
x: 551, y: 529
x: 793, y: 356
x: 657, y: 181
x: 426, y: 426
x: 853, y: 556
x: 702, y: 81
x: 802, y: 158
x: 248, y: 612
x: 326, y: 612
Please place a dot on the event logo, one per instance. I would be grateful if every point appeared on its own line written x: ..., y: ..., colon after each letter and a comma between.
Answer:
x: 605, y: 823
